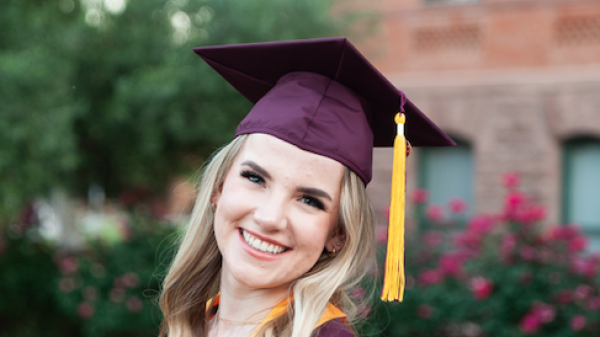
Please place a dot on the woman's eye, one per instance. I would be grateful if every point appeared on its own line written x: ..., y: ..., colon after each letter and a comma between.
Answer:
x: 253, y: 177
x: 313, y: 202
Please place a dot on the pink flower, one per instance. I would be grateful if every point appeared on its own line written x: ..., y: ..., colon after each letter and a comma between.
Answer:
x: 545, y: 313
x: 481, y: 224
x: 68, y: 265
x: 577, y: 322
x: 85, y: 310
x: 457, y: 205
x: 577, y: 244
x: 424, y: 311
x: 511, y: 180
x: 583, y: 292
x: 529, y: 324
x: 585, y: 267
x: 563, y: 233
x: 530, y: 214
x: 130, y: 280
x: 434, y: 213
x: 515, y: 199
x: 451, y: 264
x: 467, y: 239
x: 594, y: 303
x: 358, y: 293
x: 565, y: 297
x: 509, y: 243
x: 430, y: 276
x: 381, y: 234
x: 527, y: 253
x: 419, y: 196
x: 481, y: 287
x: 134, y: 304
x: 433, y: 238
x: 364, y: 310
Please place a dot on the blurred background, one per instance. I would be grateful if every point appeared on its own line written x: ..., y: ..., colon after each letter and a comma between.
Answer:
x: 106, y: 115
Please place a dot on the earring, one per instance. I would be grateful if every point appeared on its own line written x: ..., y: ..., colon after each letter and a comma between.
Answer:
x: 213, y: 207
x: 333, y: 253
x: 338, y: 243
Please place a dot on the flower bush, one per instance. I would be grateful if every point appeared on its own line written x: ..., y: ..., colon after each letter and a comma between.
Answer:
x: 498, y: 275
x: 107, y: 289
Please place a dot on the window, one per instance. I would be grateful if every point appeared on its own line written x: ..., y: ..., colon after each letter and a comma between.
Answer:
x: 581, y: 187
x: 447, y: 173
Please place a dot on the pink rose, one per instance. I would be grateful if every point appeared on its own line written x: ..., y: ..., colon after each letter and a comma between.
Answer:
x: 583, y: 292
x: 451, y: 264
x: 529, y: 324
x: 545, y: 313
x: 85, y: 310
x: 134, y: 304
x: 510, y: 180
x: 594, y: 303
x: 419, y: 196
x: 527, y: 253
x: 481, y: 287
x: 578, y: 322
x: 358, y: 293
x: 381, y: 234
x: 457, y: 205
x: 433, y: 238
x: 68, y: 265
x: 430, y: 276
x: 434, y: 213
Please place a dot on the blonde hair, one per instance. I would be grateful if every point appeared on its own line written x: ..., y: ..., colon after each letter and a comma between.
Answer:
x: 194, y: 275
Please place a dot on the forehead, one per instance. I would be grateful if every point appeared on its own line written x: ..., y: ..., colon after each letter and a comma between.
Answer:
x: 287, y: 160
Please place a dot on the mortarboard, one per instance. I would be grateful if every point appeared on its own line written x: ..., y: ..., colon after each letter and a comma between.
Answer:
x: 323, y: 96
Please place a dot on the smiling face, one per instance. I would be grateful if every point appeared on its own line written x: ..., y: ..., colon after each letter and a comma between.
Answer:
x: 276, y: 212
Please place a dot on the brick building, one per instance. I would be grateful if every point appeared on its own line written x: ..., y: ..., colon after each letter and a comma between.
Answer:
x: 515, y: 82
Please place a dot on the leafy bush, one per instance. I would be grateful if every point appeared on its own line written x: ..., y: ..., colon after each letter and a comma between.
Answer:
x: 501, y: 275
x: 104, y: 290
x: 97, y: 95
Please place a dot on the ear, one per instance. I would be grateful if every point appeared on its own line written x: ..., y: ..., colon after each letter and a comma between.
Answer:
x: 336, y: 241
x: 214, y: 198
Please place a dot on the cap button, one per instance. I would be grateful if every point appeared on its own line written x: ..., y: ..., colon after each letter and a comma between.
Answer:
x: 399, y: 118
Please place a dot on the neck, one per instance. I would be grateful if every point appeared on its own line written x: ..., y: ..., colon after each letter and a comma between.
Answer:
x: 241, y: 303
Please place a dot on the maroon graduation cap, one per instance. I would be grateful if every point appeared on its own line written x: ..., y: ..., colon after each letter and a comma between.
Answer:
x: 324, y: 97
x: 321, y: 95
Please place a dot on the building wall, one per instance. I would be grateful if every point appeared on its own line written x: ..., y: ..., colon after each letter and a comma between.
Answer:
x: 515, y: 78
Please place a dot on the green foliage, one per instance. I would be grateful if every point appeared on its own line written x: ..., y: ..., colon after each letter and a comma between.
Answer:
x: 105, y: 290
x: 503, y: 275
x: 90, y: 96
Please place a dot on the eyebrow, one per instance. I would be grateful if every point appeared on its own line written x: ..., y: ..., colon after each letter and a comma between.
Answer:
x: 257, y: 168
x: 315, y: 191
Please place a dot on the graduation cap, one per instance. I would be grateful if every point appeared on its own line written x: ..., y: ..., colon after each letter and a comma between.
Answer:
x: 323, y: 96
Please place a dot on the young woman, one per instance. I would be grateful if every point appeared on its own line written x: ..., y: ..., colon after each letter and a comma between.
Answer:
x: 282, y: 227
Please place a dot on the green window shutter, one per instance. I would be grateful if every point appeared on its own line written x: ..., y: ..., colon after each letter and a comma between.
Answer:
x: 581, y: 187
x: 447, y: 173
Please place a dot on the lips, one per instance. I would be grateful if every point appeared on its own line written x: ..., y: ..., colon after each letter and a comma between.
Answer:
x: 260, y: 245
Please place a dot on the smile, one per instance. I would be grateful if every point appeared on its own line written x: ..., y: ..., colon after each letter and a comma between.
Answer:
x: 260, y: 245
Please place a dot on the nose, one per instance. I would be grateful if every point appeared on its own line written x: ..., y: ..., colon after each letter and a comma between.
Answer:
x: 271, y: 213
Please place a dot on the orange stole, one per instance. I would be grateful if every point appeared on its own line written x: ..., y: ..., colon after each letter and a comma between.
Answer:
x: 331, y: 312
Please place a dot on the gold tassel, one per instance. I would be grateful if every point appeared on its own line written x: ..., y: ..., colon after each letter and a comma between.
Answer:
x: 393, y: 281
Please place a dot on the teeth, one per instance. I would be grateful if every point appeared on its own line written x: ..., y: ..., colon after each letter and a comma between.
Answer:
x: 263, y: 246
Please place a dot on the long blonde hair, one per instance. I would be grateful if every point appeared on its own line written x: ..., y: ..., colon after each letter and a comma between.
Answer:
x: 194, y: 275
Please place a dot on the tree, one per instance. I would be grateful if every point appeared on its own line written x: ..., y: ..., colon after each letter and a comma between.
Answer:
x: 109, y: 92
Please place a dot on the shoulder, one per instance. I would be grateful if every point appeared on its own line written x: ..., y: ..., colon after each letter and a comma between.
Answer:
x: 333, y: 328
